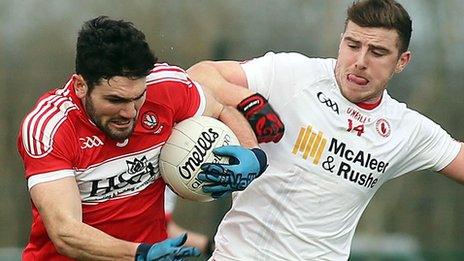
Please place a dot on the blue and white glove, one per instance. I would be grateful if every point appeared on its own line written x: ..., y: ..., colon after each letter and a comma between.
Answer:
x: 167, y: 250
x: 245, y: 165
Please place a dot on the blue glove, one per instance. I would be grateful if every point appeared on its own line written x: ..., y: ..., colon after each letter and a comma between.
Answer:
x: 167, y: 250
x: 222, y: 179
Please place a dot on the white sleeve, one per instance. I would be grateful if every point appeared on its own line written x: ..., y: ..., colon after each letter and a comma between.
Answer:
x: 276, y: 75
x: 431, y: 147
x: 47, y: 177
x: 260, y: 73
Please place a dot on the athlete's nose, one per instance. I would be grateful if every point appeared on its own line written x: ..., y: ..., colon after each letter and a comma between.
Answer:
x: 129, y: 110
x: 361, y: 60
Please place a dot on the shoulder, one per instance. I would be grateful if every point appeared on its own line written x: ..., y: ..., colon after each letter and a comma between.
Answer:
x: 165, y: 73
x: 294, y: 65
x: 410, y: 120
x: 400, y: 110
x: 40, y: 126
x: 297, y: 59
x: 313, y: 67
x: 169, y: 86
x: 167, y: 82
x: 295, y: 71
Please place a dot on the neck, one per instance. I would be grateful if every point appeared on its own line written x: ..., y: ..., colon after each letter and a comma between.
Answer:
x: 370, y: 104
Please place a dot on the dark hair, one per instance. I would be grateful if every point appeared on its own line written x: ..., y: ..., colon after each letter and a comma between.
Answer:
x: 382, y: 13
x: 107, y: 48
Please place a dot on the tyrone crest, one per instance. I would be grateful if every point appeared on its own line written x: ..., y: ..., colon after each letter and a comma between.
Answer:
x: 383, y: 127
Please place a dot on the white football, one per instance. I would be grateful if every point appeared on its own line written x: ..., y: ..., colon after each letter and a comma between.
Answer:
x: 189, y: 146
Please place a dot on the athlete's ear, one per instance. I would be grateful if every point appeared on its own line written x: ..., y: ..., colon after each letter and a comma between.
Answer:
x: 403, y: 60
x: 80, y: 87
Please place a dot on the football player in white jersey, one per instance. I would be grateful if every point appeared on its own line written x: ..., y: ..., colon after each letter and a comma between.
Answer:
x: 91, y: 149
x: 344, y: 137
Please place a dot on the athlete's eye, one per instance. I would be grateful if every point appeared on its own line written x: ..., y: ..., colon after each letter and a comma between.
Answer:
x: 116, y: 100
x: 378, y: 54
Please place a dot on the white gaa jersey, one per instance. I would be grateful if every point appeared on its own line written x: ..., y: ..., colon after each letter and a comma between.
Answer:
x: 332, y: 159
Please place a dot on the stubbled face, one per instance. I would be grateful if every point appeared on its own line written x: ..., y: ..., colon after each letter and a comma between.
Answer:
x: 367, y: 59
x: 113, y: 105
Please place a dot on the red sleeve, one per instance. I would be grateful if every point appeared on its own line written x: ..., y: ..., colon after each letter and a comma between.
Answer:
x: 172, y: 86
x: 46, y: 146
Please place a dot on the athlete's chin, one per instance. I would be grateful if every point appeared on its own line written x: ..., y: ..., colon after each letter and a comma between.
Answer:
x: 120, y: 134
x: 358, y: 98
x: 352, y: 96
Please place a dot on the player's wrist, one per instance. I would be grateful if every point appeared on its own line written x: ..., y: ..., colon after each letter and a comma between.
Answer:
x: 262, y: 118
x: 251, y: 104
x: 262, y: 159
x: 142, y: 252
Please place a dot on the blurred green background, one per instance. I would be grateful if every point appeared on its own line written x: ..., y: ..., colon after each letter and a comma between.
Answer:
x: 418, y: 217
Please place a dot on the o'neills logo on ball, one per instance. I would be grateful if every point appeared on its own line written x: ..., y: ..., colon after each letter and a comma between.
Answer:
x: 383, y: 127
x: 197, y: 156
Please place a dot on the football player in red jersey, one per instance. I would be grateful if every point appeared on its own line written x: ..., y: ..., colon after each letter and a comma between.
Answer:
x: 90, y: 151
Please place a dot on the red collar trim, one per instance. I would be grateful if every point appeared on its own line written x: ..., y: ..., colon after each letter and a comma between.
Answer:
x: 369, y: 106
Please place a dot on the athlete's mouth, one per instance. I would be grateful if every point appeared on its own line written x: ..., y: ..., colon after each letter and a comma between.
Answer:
x: 120, y: 124
x: 359, y: 80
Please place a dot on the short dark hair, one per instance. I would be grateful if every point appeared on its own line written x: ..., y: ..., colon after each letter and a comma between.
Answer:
x: 388, y: 14
x: 107, y: 48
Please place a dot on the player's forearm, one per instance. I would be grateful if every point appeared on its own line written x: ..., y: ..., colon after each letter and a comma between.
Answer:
x: 82, y: 242
x: 197, y: 240
x: 194, y: 239
x: 239, y: 125
x: 226, y: 80
x: 455, y: 170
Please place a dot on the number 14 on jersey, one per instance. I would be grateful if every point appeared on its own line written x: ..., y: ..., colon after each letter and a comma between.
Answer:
x: 358, y: 129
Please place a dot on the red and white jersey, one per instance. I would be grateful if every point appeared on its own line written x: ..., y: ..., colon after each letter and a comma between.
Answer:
x: 332, y: 159
x: 121, y: 190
